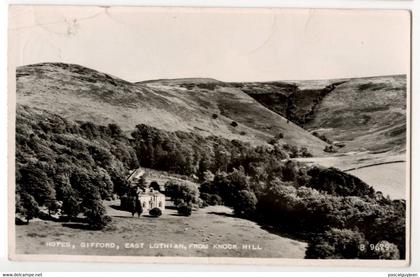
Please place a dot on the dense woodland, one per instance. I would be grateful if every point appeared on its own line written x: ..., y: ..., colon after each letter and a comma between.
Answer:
x: 74, y: 166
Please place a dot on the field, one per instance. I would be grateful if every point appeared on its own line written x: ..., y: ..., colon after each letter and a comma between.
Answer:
x: 387, y: 178
x: 209, y: 226
x: 385, y: 172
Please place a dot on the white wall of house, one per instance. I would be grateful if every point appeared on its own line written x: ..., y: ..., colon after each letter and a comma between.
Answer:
x: 150, y: 201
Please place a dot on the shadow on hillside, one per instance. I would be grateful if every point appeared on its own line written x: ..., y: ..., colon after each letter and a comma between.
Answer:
x: 79, y: 226
x: 223, y: 214
x: 125, y: 216
x: 61, y: 218
x: 283, y: 232
x: 117, y: 207
x: 150, y: 216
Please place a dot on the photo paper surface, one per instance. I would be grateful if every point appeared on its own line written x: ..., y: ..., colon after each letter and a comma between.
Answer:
x: 209, y: 135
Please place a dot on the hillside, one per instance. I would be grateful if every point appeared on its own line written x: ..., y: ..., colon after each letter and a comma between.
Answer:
x: 363, y: 113
x: 204, y: 106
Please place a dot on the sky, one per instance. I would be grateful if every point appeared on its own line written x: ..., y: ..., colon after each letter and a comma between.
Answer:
x: 139, y: 44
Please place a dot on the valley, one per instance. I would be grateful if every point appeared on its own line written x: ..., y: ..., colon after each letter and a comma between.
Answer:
x: 282, y: 163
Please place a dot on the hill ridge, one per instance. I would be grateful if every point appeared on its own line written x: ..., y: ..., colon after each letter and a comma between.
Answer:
x: 79, y: 93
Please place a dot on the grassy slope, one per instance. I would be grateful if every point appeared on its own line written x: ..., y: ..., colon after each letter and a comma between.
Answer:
x: 231, y: 103
x: 365, y: 113
x: 79, y: 93
x: 211, y: 225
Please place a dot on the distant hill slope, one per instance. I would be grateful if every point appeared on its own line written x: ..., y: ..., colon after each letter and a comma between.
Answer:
x: 204, y: 106
x: 363, y: 113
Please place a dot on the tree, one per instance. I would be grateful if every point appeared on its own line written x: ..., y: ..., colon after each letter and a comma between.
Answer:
x: 182, y: 192
x: 29, y: 206
x: 34, y: 181
x: 155, y: 186
x: 204, y: 166
x: 102, y: 181
x: 289, y: 171
x: 95, y: 211
x: 137, y: 207
x: 53, y: 206
x: 71, y: 206
x: 245, y: 204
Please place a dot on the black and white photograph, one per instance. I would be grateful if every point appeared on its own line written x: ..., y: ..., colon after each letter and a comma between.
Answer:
x: 209, y: 135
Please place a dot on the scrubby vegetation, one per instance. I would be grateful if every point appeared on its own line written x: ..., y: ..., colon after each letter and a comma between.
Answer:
x: 287, y: 99
x: 321, y: 137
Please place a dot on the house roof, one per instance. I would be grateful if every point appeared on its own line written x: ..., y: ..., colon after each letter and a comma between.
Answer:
x: 154, y: 193
x: 136, y: 174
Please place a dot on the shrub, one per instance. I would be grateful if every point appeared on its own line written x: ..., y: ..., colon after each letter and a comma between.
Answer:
x: 339, y: 144
x: 304, y: 152
x: 330, y: 149
x: 292, y: 150
x: 209, y: 86
x: 321, y: 137
x: 211, y: 199
x: 184, y: 209
x: 214, y: 116
x: 99, y: 222
x: 279, y: 136
x: 234, y: 124
x: 155, y: 212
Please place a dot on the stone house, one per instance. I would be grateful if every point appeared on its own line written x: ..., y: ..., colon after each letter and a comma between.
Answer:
x: 150, y: 199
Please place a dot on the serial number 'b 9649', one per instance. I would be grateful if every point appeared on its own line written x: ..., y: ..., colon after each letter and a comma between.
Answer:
x: 380, y: 246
